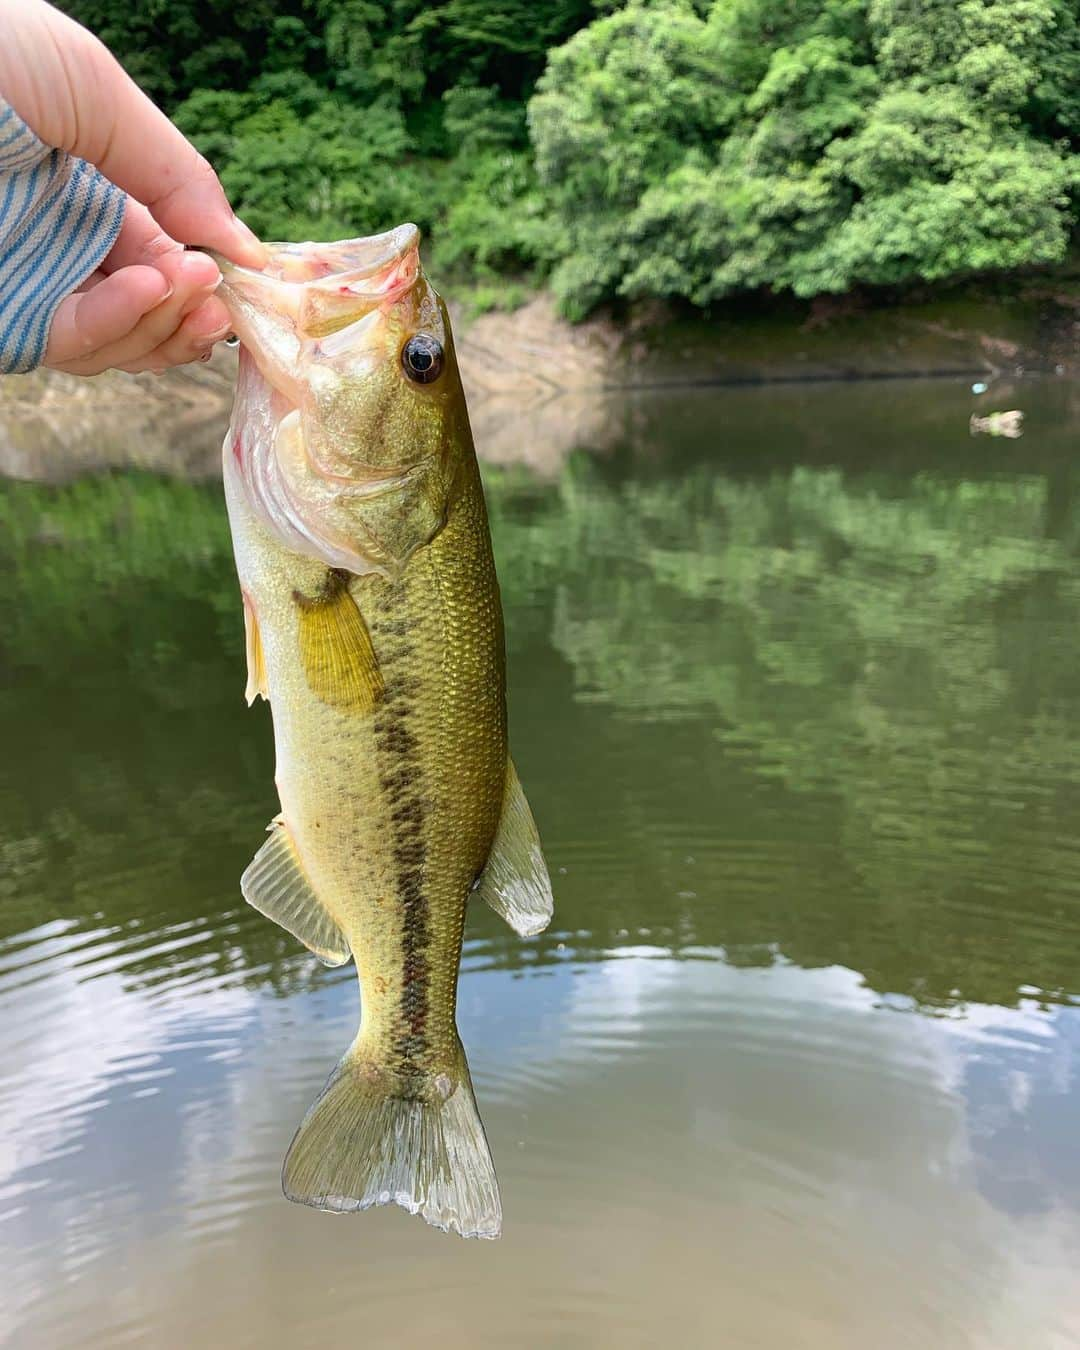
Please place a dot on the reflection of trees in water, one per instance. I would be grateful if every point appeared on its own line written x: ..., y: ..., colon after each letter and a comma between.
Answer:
x: 139, y: 784
x: 901, y: 654
x: 859, y: 687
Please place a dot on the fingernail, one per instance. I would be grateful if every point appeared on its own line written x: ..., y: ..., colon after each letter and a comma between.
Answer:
x: 250, y: 240
x: 200, y: 259
x: 168, y: 293
x: 206, y: 342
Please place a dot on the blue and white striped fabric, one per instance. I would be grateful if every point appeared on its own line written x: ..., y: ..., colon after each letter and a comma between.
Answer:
x: 58, y: 218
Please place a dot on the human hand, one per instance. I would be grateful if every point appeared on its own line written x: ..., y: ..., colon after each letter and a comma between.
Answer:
x: 150, y: 304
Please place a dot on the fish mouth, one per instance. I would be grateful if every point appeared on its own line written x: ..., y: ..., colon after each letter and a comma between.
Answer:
x: 316, y: 323
x: 311, y: 290
x: 365, y: 264
x: 308, y: 292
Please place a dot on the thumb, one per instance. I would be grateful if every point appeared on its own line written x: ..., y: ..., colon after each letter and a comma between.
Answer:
x: 74, y: 94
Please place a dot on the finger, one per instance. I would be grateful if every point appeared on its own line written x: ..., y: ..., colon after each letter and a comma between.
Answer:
x: 135, y: 145
x: 141, y: 240
x: 71, y: 91
x: 193, y: 341
x: 92, y: 280
x: 97, y: 318
x: 193, y: 277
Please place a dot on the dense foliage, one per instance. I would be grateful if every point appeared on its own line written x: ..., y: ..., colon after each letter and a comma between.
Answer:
x: 808, y: 145
x: 651, y: 148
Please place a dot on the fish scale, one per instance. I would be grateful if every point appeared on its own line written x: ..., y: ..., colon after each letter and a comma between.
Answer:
x: 375, y: 631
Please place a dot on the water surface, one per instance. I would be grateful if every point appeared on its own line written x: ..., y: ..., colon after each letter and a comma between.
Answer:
x: 795, y: 697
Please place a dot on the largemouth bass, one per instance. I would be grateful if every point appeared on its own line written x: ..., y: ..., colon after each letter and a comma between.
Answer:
x: 374, y: 629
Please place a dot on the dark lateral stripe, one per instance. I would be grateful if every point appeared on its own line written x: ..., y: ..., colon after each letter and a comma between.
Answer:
x: 400, y: 778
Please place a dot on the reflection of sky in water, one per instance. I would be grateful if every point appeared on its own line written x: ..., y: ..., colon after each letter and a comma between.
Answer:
x: 130, y: 1117
x: 1019, y: 1082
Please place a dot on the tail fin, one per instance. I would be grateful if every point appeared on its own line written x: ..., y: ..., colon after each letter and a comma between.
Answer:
x: 361, y: 1145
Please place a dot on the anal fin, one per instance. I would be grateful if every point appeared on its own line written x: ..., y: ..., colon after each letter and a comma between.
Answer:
x: 275, y: 884
x: 515, y: 882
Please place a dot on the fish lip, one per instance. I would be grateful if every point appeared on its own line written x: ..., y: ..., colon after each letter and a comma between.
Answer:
x: 343, y: 263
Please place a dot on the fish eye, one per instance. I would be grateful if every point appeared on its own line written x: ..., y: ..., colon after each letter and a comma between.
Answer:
x: 422, y: 358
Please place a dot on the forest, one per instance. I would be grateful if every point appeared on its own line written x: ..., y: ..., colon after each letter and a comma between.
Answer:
x: 688, y: 150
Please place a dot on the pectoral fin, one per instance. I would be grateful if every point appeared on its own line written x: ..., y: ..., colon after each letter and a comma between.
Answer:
x: 515, y: 882
x: 339, y: 661
x: 256, y: 666
x: 276, y: 884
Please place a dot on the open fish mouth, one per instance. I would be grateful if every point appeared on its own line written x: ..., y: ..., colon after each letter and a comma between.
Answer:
x: 320, y: 303
x: 351, y: 262
x: 317, y: 289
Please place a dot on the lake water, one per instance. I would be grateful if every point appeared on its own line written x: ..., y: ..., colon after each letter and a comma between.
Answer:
x: 795, y: 694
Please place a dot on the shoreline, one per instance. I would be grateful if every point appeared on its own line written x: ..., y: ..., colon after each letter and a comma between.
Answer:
x: 765, y: 381
x: 539, y: 387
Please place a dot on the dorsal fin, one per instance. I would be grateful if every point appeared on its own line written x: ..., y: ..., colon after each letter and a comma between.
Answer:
x: 515, y: 882
x: 276, y: 884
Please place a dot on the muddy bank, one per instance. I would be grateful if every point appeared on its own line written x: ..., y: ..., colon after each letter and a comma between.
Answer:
x: 538, y: 387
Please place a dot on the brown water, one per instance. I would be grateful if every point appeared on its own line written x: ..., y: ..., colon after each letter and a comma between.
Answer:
x: 795, y: 682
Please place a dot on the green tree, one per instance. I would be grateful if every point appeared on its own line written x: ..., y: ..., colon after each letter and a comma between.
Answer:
x: 620, y: 107
x: 679, y: 148
x: 807, y: 147
x: 306, y: 165
x: 335, y: 117
x: 173, y: 47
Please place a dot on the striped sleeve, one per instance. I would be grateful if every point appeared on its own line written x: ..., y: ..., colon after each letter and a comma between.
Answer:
x: 58, y: 218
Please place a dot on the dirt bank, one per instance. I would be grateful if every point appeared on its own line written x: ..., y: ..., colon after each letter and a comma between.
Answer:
x: 538, y: 387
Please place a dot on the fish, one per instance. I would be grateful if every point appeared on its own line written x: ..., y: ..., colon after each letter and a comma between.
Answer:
x: 374, y: 629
